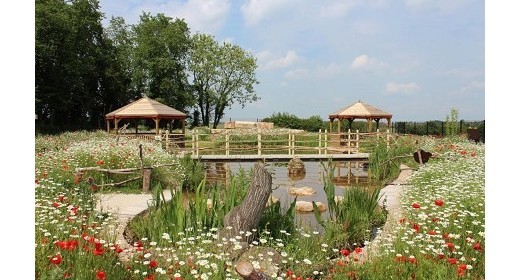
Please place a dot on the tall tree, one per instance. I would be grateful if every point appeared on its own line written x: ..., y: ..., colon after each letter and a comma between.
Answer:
x: 161, y: 52
x: 222, y: 75
x: 68, y: 54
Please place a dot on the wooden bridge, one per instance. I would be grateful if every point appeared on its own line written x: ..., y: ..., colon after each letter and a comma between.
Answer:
x: 268, y: 145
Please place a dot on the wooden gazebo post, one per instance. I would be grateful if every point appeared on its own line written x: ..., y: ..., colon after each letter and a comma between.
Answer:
x: 108, y: 126
x: 156, y: 125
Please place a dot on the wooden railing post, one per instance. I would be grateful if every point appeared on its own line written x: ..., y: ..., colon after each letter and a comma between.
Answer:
x: 348, y: 141
x: 289, y: 143
x: 197, y: 144
x: 377, y: 134
x: 167, y: 141
x: 227, y: 142
x: 319, y: 142
x: 388, y: 139
x: 193, y: 142
x: 326, y: 141
x: 357, y: 140
x: 259, y: 140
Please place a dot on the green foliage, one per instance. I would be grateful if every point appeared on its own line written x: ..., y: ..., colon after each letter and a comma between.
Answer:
x: 350, y: 216
x: 279, y: 221
x: 384, y: 161
x: 452, y: 123
x: 222, y: 75
x: 160, y: 58
x: 193, y: 173
x: 286, y: 120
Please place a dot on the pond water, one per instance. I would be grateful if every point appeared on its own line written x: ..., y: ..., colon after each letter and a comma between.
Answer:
x: 346, y: 175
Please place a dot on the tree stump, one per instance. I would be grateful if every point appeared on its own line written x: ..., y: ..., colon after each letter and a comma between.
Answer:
x: 248, y: 272
x: 246, y: 216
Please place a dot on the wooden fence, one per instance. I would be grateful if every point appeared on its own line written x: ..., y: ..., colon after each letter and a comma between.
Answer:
x: 271, y: 142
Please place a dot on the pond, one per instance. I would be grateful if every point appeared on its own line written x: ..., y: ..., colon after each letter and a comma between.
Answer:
x: 346, y: 175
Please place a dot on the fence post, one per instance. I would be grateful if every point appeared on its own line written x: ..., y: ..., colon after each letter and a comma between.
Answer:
x: 326, y: 141
x: 289, y: 143
x: 349, y: 145
x: 388, y: 139
x: 259, y: 140
x: 357, y: 140
x: 319, y: 142
x: 197, y: 144
x: 293, y: 143
x: 377, y: 134
x: 227, y: 142
x: 167, y: 141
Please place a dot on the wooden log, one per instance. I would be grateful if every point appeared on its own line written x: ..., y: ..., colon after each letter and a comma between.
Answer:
x: 246, y: 216
x: 248, y: 272
x: 147, y: 176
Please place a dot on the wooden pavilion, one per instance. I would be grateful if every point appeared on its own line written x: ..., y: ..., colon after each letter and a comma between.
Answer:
x: 359, y: 110
x: 145, y: 108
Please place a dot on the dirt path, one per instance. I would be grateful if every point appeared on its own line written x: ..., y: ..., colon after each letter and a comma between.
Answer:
x: 125, y: 207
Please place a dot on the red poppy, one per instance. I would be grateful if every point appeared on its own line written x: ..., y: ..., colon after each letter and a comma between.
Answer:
x: 452, y: 261
x: 61, y: 197
x: 412, y: 260
x: 100, y: 162
x: 435, y: 220
x: 416, y: 227
x: 416, y: 205
x: 473, y: 154
x: 289, y: 273
x: 56, y: 259
x: 358, y: 250
x: 450, y: 246
x: 477, y: 246
x: 67, y: 245
x: 118, y: 249
x: 340, y: 263
x: 101, y: 275
x: 431, y: 232
x: 153, y: 264
x: 150, y: 277
x: 345, y: 252
x: 461, y: 269
x: 55, y: 204
x: 441, y: 256
x: 352, y: 274
x: 400, y: 258
x: 77, y: 179
x: 439, y: 202
x: 402, y: 220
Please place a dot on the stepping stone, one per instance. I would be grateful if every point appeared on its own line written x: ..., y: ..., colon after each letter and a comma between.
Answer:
x: 306, y: 206
x: 303, y: 191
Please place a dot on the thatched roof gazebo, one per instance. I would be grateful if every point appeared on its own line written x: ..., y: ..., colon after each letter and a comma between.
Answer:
x: 359, y: 110
x: 145, y: 108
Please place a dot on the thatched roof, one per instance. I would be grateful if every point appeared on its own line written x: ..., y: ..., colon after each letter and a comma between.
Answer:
x: 146, y: 108
x: 360, y: 110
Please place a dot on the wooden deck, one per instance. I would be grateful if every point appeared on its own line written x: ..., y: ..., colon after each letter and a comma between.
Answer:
x: 285, y: 157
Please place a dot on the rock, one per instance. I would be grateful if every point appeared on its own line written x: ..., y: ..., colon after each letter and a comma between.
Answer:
x: 268, y: 259
x: 306, y: 206
x: 296, y: 167
x: 303, y: 191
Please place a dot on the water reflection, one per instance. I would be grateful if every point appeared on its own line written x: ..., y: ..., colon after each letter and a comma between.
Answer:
x: 285, y: 185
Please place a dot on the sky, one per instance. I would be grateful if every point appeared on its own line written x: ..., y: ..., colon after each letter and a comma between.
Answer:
x: 415, y: 59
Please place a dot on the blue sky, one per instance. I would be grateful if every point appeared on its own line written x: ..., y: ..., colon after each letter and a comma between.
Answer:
x: 416, y: 59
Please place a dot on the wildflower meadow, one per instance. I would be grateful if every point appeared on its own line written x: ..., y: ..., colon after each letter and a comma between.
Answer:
x: 439, y: 234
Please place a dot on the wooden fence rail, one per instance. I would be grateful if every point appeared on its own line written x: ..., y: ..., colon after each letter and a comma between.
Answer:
x: 264, y: 142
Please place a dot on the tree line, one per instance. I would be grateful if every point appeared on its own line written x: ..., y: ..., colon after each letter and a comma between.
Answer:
x: 84, y: 70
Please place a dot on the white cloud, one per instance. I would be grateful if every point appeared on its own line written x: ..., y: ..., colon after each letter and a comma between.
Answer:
x: 336, y: 9
x: 365, y: 62
x: 257, y: 10
x: 441, y: 6
x: 470, y: 89
x: 296, y: 74
x: 205, y: 15
x: 409, y: 88
x: 268, y: 61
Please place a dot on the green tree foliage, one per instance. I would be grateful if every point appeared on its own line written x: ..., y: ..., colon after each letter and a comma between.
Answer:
x: 81, y: 72
x: 68, y: 55
x: 286, y: 120
x: 452, y: 122
x: 160, y: 59
x: 222, y: 75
